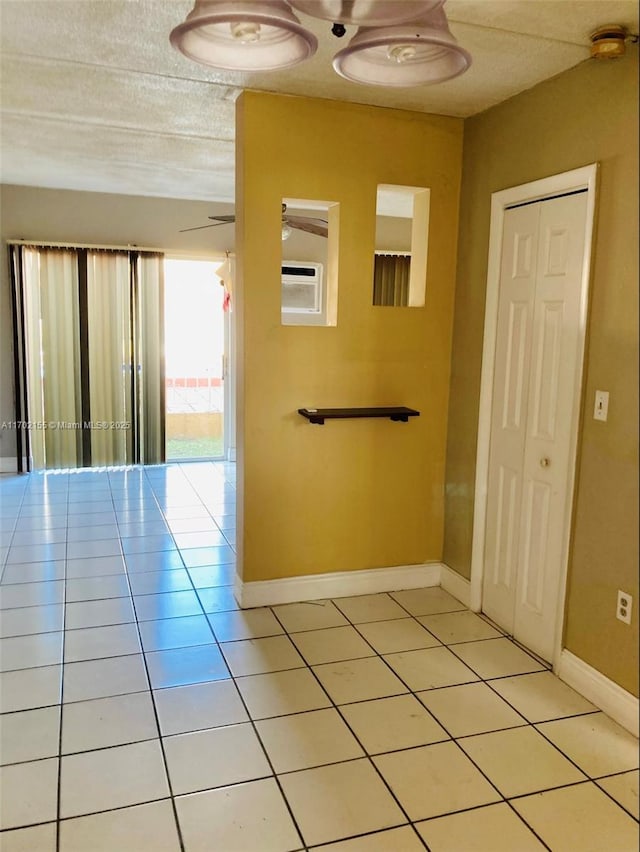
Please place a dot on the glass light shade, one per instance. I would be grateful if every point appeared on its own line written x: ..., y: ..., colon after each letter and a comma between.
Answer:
x: 243, y: 36
x: 423, y: 51
x: 286, y: 231
x: 371, y: 13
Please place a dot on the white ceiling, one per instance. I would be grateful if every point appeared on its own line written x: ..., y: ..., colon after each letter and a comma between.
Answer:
x: 93, y: 97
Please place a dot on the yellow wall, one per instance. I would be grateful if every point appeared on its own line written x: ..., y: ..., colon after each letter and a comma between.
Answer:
x: 589, y: 114
x: 351, y: 494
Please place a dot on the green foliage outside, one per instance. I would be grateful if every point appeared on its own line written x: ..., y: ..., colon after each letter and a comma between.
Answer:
x: 195, y: 448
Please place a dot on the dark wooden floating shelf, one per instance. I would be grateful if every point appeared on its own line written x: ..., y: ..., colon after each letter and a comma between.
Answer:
x: 319, y: 415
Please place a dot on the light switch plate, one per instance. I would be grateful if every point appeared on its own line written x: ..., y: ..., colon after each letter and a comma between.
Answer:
x: 601, y: 407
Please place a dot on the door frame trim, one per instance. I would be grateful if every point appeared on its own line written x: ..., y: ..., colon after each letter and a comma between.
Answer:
x: 560, y: 184
x: 230, y: 367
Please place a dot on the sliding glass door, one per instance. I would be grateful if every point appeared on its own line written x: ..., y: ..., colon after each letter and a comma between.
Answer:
x: 88, y: 341
x: 195, y: 357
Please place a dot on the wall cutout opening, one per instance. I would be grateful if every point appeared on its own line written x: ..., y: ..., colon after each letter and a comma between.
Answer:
x: 402, y: 237
x: 310, y: 261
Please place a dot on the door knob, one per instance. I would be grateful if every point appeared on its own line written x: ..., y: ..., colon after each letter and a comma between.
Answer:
x: 545, y: 461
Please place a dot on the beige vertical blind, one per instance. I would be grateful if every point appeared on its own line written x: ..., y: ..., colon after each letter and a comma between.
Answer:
x: 148, y: 272
x: 391, y: 279
x: 88, y: 328
x: 110, y: 358
x: 53, y: 356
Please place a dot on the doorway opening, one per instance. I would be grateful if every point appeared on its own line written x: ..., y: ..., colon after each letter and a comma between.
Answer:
x: 195, y: 361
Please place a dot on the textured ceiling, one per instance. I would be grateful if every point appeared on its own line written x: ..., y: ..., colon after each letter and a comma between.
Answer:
x: 93, y: 97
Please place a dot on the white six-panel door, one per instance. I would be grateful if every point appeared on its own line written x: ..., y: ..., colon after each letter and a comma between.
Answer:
x: 536, y: 365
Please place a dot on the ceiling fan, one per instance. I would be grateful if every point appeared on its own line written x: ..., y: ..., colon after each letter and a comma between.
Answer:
x: 319, y: 227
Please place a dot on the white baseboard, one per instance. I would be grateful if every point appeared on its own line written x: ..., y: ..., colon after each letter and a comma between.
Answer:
x: 8, y: 464
x: 612, y: 699
x: 336, y: 585
x: 456, y: 585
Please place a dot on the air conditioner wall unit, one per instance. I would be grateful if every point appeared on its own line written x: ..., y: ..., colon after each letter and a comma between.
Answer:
x: 303, y: 293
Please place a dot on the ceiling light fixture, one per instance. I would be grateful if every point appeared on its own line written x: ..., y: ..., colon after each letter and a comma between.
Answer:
x: 398, y: 43
x: 409, y: 54
x: 365, y: 13
x: 243, y: 36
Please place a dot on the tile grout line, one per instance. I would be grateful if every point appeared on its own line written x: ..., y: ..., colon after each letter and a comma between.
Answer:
x: 253, y: 725
x: 274, y: 774
x: 488, y: 682
x: 588, y: 778
x: 155, y: 713
x: 473, y: 762
x: 613, y: 798
x: 5, y: 561
x: 336, y: 707
x: 231, y: 678
x: 367, y: 756
x: 61, y: 693
x: 451, y: 738
x: 455, y: 739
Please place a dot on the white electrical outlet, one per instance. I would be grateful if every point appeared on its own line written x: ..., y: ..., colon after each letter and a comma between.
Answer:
x: 601, y: 406
x: 625, y: 603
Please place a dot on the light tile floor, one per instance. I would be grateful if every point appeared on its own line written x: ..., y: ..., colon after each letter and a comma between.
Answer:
x: 143, y: 712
